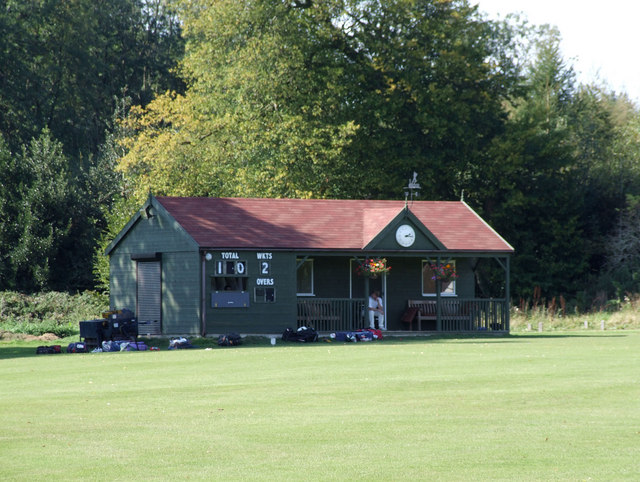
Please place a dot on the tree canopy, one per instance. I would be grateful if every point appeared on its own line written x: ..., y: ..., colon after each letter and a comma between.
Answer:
x: 346, y: 98
x: 323, y: 99
x: 63, y: 66
x: 100, y: 104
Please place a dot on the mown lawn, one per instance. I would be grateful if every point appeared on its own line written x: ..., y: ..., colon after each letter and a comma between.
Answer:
x: 523, y: 407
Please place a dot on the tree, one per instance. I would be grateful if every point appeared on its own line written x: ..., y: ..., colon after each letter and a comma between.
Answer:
x: 531, y: 192
x: 64, y: 62
x: 431, y: 78
x: 8, y: 205
x: 38, y: 209
x: 116, y: 203
x: 623, y: 250
x: 324, y: 99
x: 254, y: 120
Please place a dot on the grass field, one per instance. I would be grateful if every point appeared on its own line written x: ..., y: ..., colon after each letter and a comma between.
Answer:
x: 520, y: 407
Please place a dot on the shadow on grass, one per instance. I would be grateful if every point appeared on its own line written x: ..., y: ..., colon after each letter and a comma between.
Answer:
x: 18, y: 349
x: 11, y: 351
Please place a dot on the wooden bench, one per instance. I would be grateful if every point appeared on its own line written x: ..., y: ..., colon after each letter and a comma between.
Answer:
x: 427, y: 310
x: 420, y: 310
x: 318, y: 315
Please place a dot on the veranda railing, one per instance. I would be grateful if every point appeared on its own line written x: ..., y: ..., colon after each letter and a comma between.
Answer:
x: 456, y: 314
x: 332, y: 314
x: 474, y: 314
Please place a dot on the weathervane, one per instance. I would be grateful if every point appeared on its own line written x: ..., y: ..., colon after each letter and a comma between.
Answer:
x: 411, y: 189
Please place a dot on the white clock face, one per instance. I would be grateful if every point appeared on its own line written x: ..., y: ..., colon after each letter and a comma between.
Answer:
x: 405, y: 235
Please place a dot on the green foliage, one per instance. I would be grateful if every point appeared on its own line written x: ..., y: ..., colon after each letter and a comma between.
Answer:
x: 49, y: 312
x: 64, y: 62
x: 64, y: 66
x: 623, y: 250
x: 322, y: 99
x: 256, y: 120
x: 427, y: 77
x: 530, y: 192
x: 116, y: 217
x: 116, y: 205
x: 37, y: 200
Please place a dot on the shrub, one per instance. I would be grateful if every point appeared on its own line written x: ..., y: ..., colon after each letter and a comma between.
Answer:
x: 49, y: 312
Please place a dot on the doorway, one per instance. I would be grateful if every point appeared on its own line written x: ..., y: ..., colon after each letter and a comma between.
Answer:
x: 149, y: 303
x: 361, y: 287
x: 379, y: 284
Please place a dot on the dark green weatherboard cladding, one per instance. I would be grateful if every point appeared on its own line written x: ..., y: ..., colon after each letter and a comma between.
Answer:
x: 331, y: 280
x: 181, y: 293
x: 257, y: 317
x: 331, y: 275
x: 424, y: 239
x: 180, y: 263
x: 404, y: 283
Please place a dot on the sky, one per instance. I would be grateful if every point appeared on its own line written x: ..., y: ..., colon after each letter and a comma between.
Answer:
x: 600, y: 38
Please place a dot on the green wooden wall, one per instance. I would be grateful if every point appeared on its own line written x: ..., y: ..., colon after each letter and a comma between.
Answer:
x: 180, y: 262
x: 257, y: 317
x: 331, y: 280
x: 183, y: 291
x: 122, y: 281
x: 405, y: 283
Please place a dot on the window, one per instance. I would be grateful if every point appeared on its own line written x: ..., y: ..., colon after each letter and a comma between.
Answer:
x: 228, y: 283
x: 429, y: 284
x: 264, y: 295
x: 230, y: 276
x: 304, y: 277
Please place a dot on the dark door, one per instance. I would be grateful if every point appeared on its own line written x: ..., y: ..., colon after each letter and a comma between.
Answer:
x: 149, y: 303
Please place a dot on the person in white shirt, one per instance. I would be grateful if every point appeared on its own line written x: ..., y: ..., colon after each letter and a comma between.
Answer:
x: 376, y: 308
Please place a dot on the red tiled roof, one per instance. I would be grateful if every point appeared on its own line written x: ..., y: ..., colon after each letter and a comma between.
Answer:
x: 323, y: 224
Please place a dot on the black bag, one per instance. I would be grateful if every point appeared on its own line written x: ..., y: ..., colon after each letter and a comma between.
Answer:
x: 302, y: 335
x: 230, y: 339
x: 77, y: 348
x: 48, y: 350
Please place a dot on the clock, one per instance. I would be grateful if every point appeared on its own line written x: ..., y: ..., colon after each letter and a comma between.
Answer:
x: 405, y: 235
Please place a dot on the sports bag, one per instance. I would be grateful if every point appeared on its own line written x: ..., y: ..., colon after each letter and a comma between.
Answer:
x: 344, y: 336
x: 364, y: 336
x: 135, y: 346
x: 302, y: 335
x: 230, y: 339
x: 77, y: 348
x: 48, y: 350
x: 180, y: 344
x: 377, y: 334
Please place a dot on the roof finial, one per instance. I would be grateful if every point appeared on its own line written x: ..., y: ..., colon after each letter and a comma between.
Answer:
x: 411, y: 190
x: 462, y: 196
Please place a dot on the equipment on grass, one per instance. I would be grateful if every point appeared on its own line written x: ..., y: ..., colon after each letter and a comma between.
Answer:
x: 116, y: 325
x: 48, y: 350
x: 302, y: 335
x: 77, y: 348
x: 230, y: 339
x: 179, y: 343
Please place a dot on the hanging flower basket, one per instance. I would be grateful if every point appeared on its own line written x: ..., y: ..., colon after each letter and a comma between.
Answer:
x: 445, y: 273
x: 373, y: 267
